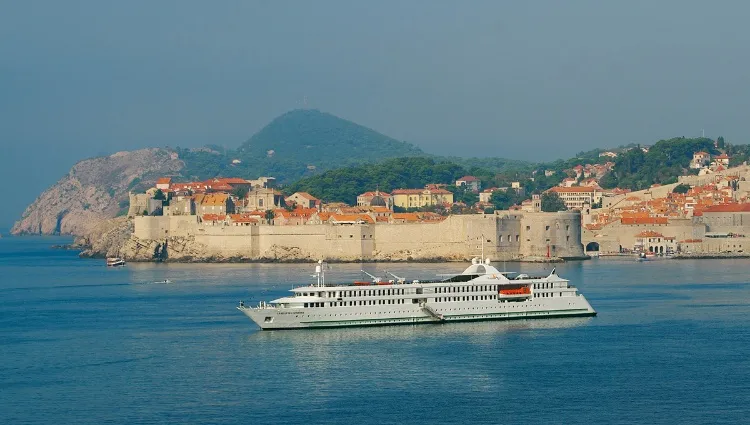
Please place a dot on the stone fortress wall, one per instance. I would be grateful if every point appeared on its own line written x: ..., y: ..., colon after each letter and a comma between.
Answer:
x: 507, y: 235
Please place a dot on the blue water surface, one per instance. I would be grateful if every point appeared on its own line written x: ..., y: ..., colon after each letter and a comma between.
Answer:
x: 81, y: 343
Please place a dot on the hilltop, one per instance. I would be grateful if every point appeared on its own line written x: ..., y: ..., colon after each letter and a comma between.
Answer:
x: 298, y: 143
x: 321, y: 139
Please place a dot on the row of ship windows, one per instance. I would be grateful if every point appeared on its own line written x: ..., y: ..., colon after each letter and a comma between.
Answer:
x: 362, y: 293
x: 385, y: 292
x: 545, y: 285
x: 449, y: 289
x: 353, y: 303
x: 471, y: 298
x: 401, y: 301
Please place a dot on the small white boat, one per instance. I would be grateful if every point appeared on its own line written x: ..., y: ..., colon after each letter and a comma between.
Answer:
x: 115, y: 262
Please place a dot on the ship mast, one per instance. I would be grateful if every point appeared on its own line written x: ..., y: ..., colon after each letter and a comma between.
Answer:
x: 320, y: 274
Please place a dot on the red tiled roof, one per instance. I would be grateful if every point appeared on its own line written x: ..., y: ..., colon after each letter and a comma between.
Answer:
x: 647, y: 220
x: 215, y: 199
x: 226, y: 180
x: 405, y: 216
x: 467, y: 179
x: 371, y: 194
x: 307, y: 196
x: 727, y: 208
x: 214, y: 217
x: 649, y: 234
x: 164, y: 180
x: 242, y: 218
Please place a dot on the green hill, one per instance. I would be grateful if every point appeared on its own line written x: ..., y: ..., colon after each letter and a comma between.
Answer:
x: 321, y: 139
x: 296, y: 144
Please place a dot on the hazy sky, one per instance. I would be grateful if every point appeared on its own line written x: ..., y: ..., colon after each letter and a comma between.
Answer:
x: 532, y: 80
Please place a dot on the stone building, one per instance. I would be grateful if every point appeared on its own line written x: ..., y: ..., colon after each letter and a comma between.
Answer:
x: 418, y: 198
x: 469, y: 183
x: 213, y: 203
x: 376, y: 198
x: 138, y: 204
x: 653, y: 242
x: 184, y: 205
x: 304, y: 200
x: 578, y: 197
x: 260, y: 198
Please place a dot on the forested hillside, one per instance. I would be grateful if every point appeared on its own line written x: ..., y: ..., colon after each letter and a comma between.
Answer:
x: 344, y: 184
x: 663, y: 163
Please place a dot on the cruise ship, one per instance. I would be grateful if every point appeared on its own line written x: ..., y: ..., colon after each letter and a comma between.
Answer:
x: 480, y: 292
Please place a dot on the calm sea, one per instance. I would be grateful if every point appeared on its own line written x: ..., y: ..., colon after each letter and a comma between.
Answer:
x: 81, y: 343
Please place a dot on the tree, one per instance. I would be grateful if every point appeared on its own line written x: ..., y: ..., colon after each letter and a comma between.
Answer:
x: 504, y: 199
x: 240, y: 192
x: 551, y: 202
x: 159, y: 195
x: 608, y: 181
x: 269, y: 216
x: 681, y: 188
x: 720, y: 142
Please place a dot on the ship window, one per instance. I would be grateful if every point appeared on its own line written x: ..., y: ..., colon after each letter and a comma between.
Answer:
x: 305, y: 305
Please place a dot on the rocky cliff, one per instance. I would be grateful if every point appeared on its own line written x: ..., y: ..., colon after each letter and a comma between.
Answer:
x: 95, y: 190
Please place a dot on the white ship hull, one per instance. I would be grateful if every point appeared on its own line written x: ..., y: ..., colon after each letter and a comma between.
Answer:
x: 273, y: 318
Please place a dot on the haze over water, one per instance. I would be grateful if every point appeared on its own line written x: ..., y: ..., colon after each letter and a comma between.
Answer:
x: 85, y: 344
